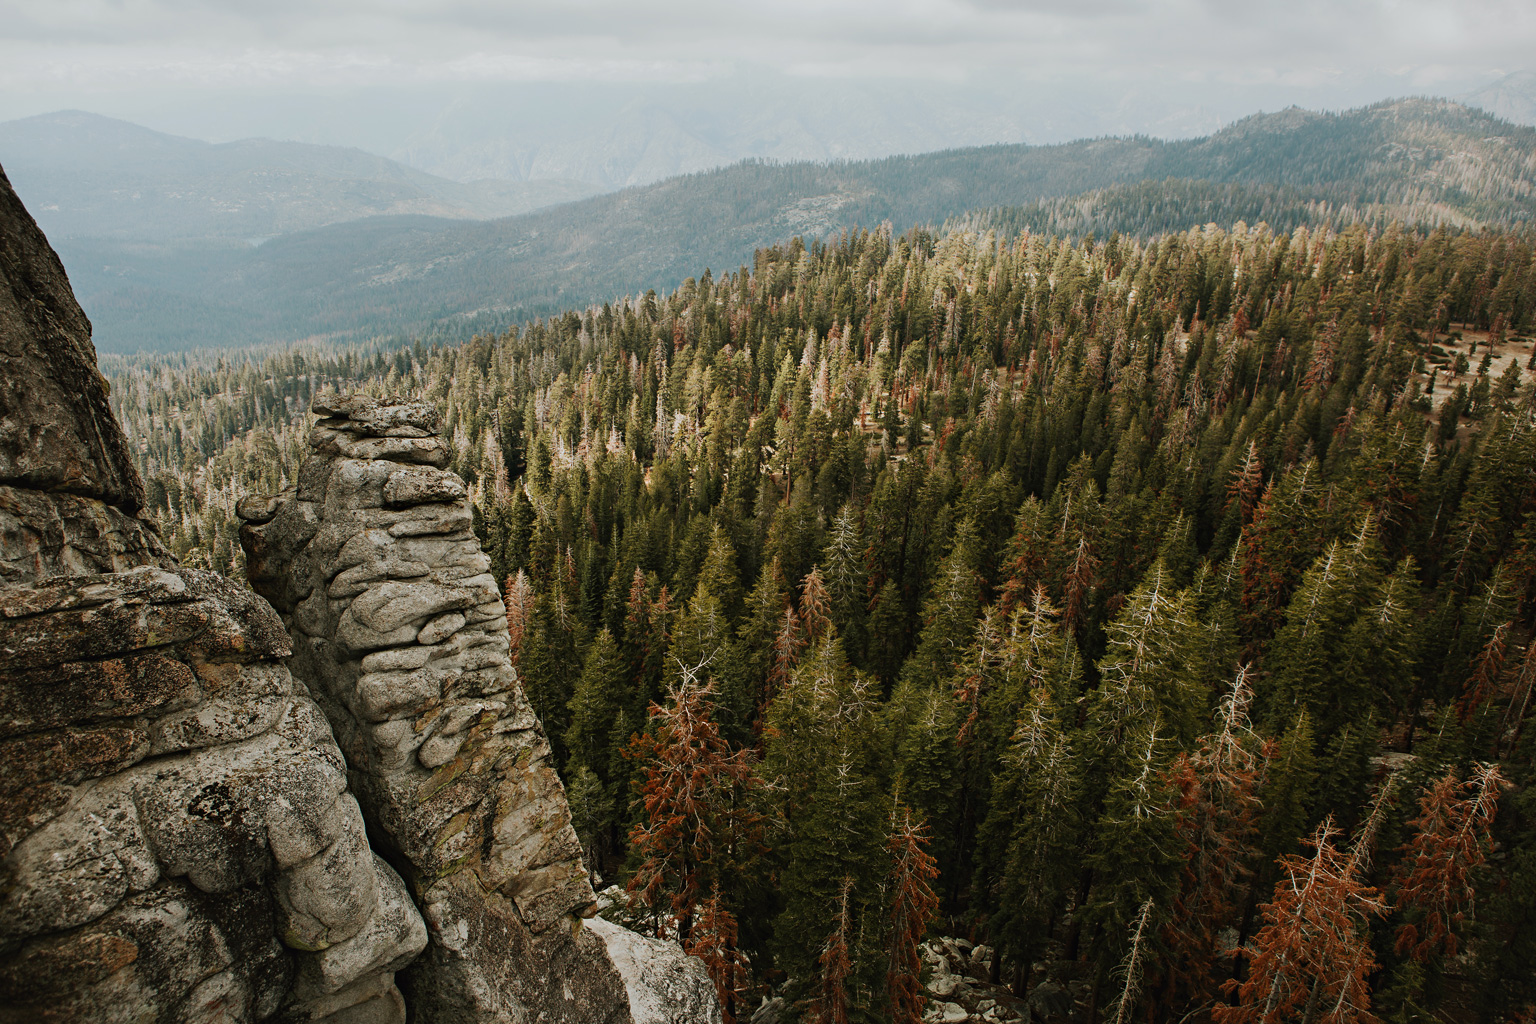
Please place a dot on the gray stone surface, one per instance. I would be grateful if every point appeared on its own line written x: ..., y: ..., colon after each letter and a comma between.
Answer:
x: 51, y: 534
x: 175, y: 827
x: 57, y: 432
x: 665, y: 985
x: 400, y: 632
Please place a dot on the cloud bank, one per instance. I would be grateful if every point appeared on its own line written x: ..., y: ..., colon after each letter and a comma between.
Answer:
x: 344, y: 70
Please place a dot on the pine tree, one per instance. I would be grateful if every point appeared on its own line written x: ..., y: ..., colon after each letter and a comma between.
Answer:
x: 830, y: 1005
x: 1217, y: 824
x: 913, y: 903
x: 750, y: 673
x: 696, y: 828
x: 713, y: 939
x: 822, y: 762
x: 888, y: 633
x: 519, y: 602
x: 594, y: 750
x: 949, y: 614
x: 1079, y: 585
x: 1134, y: 964
x: 815, y: 618
x: 1030, y: 842
x: 1451, y: 837
x: 600, y: 695
x: 846, y: 580
x: 1311, y: 959
x: 647, y: 623
x: 1486, y: 668
x: 719, y: 574
x: 1135, y: 855
x: 1247, y: 479
x: 1155, y: 667
x: 1328, y: 659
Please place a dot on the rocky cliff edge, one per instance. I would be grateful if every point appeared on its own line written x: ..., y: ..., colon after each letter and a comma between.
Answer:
x: 182, y: 836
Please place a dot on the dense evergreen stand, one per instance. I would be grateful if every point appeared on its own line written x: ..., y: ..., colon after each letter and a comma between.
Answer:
x: 1173, y: 600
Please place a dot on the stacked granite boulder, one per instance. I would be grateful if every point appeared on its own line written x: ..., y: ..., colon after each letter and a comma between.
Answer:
x: 401, y: 632
x: 177, y: 841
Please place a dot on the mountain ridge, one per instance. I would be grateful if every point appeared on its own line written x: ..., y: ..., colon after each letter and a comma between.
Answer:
x: 1421, y: 160
x: 159, y: 187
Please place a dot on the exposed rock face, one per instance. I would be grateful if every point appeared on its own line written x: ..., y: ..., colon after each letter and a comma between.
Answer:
x: 44, y: 534
x: 402, y: 633
x: 68, y: 489
x: 176, y: 837
x: 181, y: 837
x: 57, y: 432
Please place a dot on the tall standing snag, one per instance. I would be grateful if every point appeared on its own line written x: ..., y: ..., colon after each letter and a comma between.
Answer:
x: 831, y: 1003
x: 695, y: 827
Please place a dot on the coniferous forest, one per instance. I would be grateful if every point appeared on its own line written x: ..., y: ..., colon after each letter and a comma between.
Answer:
x: 1155, y: 614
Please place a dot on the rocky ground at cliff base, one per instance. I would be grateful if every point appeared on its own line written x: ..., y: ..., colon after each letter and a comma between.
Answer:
x: 955, y: 979
x: 958, y: 988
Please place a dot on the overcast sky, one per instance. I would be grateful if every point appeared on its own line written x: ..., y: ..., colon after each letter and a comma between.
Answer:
x: 225, y: 68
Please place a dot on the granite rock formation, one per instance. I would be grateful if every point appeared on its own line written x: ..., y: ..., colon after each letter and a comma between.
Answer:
x: 177, y: 841
x: 401, y: 631
x: 68, y: 489
x: 57, y: 432
x: 182, y: 838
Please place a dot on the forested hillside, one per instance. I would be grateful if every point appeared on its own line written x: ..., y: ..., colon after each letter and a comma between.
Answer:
x: 1424, y: 162
x: 1155, y: 207
x: 1156, y: 614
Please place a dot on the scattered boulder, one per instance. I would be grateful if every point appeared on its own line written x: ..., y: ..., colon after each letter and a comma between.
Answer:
x: 958, y: 987
x: 664, y: 984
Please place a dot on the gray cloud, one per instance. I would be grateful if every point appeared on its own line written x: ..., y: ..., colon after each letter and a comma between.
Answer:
x: 1221, y: 56
x: 1123, y: 34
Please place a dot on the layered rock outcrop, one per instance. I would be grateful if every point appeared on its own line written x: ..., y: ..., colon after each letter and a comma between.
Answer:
x: 401, y: 630
x: 177, y: 841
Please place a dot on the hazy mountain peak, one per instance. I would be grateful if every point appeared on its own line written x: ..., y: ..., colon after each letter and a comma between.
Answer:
x: 87, y: 175
x: 1512, y: 97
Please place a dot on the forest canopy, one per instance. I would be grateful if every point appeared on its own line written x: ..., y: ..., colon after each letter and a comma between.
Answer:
x: 1155, y: 614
